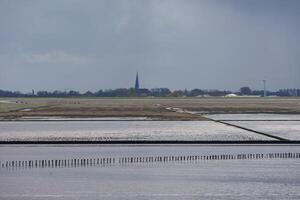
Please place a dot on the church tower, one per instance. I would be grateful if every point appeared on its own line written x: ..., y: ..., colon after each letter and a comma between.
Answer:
x: 137, y: 84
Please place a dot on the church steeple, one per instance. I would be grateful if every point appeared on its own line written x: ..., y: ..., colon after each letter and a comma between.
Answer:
x: 137, y: 84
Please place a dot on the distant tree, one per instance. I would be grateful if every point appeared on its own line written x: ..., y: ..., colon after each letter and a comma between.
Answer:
x: 99, y: 93
x: 120, y: 92
x: 73, y: 93
x: 217, y: 93
x: 245, y: 91
x: 196, y: 92
x: 132, y: 92
x: 42, y: 94
x: 107, y: 93
x: 186, y: 92
x: 160, y: 92
x: 58, y: 93
x: 258, y: 92
x: 88, y: 94
x: 177, y: 93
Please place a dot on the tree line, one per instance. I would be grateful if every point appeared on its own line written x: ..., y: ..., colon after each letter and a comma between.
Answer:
x: 155, y: 92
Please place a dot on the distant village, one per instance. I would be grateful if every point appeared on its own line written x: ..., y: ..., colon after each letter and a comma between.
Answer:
x: 137, y: 91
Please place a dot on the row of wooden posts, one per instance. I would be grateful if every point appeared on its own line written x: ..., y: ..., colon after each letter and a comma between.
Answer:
x: 77, y: 162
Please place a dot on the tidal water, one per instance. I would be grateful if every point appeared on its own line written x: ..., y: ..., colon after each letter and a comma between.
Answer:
x: 262, y: 178
x: 123, y: 130
x: 204, y: 179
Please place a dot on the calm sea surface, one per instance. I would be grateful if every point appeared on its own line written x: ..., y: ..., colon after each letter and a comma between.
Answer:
x: 222, y: 179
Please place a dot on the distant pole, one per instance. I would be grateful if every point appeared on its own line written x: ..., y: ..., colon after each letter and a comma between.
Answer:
x: 265, y: 92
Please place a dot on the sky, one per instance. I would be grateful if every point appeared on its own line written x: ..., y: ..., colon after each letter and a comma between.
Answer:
x: 180, y: 44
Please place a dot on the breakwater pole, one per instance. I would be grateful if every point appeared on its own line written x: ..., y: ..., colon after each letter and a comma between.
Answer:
x: 128, y: 160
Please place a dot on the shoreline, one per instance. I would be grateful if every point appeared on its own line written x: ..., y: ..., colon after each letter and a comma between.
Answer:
x: 153, y: 142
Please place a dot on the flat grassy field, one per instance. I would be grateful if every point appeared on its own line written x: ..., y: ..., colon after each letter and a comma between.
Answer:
x: 11, y: 108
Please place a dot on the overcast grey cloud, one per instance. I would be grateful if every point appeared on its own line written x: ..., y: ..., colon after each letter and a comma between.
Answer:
x: 89, y: 45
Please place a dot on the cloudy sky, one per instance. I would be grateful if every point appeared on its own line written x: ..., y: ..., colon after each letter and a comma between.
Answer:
x: 89, y: 45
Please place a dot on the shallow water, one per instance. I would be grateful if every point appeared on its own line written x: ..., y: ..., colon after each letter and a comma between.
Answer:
x: 283, y: 125
x: 123, y: 130
x: 203, y: 179
x: 254, y: 116
x: 222, y: 179
x: 287, y: 129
